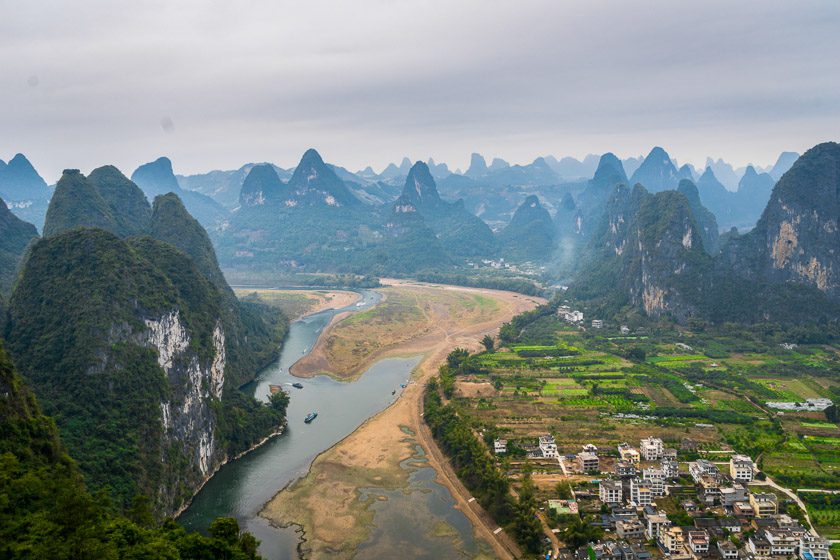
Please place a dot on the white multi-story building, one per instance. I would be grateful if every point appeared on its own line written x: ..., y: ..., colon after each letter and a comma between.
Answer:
x: 651, y: 449
x: 500, y: 446
x: 655, y: 479
x: 625, y: 469
x: 672, y: 539
x: 671, y: 468
x: 764, y: 505
x: 656, y: 525
x: 813, y: 548
x: 728, y: 551
x: 782, y: 542
x: 628, y: 453
x: 588, y: 462
x: 610, y: 492
x: 698, y: 541
x: 736, y: 493
x: 741, y: 468
x: 548, y: 447
x: 700, y: 468
x: 629, y: 529
x: 640, y: 492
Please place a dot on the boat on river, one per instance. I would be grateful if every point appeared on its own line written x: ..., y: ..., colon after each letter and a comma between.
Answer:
x: 310, y: 417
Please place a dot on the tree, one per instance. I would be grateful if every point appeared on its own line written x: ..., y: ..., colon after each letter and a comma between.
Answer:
x: 488, y: 343
x: 279, y: 401
x: 579, y: 532
x: 457, y: 357
x: 636, y: 354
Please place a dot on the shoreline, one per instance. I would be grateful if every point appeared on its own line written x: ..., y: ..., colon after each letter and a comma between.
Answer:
x: 185, y: 506
x: 317, y: 351
x: 377, y: 435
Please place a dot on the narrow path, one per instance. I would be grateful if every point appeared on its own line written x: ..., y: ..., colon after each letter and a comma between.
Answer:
x: 790, y: 494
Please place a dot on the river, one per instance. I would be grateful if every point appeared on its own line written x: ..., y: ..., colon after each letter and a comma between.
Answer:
x: 242, y: 487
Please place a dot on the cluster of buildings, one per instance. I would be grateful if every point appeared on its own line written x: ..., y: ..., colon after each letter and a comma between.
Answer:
x: 570, y: 315
x: 642, y: 474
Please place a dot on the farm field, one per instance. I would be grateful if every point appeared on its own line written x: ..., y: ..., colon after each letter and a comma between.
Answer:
x: 587, y: 387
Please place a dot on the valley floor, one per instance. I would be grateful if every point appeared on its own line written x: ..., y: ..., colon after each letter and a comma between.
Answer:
x: 332, y: 503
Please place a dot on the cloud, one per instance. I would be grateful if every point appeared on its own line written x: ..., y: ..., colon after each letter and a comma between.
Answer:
x: 372, y: 80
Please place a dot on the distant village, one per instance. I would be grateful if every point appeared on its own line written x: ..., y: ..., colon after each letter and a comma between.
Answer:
x: 723, y: 509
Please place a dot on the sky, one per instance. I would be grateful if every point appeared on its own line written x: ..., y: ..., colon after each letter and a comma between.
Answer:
x: 215, y: 84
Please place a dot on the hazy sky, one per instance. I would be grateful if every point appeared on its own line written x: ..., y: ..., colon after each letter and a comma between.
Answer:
x: 215, y: 84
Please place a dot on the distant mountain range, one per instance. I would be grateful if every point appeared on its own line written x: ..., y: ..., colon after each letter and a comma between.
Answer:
x: 653, y: 254
x: 322, y: 217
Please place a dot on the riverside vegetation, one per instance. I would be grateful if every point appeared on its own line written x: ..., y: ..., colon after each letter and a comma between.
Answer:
x: 707, y: 384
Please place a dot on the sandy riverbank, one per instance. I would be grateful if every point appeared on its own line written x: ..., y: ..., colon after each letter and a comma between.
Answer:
x: 326, y: 502
x: 299, y: 303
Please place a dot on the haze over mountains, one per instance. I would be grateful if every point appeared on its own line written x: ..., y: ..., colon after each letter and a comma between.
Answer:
x: 421, y: 217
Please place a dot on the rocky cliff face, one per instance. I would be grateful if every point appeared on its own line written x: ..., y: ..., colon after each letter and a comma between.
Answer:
x: 705, y: 219
x: 187, y: 417
x: 462, y: 233
x: 124, y: 344
x: 262, y: 185
x: 316, y: 184
x: 648, y: 254
x: 797, y: 238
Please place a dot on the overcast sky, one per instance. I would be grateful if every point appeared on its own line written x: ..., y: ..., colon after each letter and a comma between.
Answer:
x: 215, y: 84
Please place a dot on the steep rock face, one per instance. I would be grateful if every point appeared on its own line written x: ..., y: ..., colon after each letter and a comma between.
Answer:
x: 420, y: 188
x: 249, y: 341
x: 592, y: 201
x: 648, y: 255
x: 123, y: 343
x: 530, y: 234
x: 462, y: 234
x: 15, y: 236
x: 657, y: 172
x: 262, y: 185
x: 186, y: 414
x: 706, y: 221
x: 316, y: 184
x: 797, y: 239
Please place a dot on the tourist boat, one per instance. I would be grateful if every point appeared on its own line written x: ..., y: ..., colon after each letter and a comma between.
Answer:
x: 310, y: 417
x: 297, y: 385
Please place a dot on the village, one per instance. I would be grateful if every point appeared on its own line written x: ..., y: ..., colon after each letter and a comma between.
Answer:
x: 649, y: 504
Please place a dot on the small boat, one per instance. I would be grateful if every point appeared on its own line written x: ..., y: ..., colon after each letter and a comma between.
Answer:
x: 403, y: 385
x: 310, y: 417
x: 297, y: 385
x: 394, y: 392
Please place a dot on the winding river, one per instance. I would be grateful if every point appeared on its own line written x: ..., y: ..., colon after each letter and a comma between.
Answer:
x: 242, y: 487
